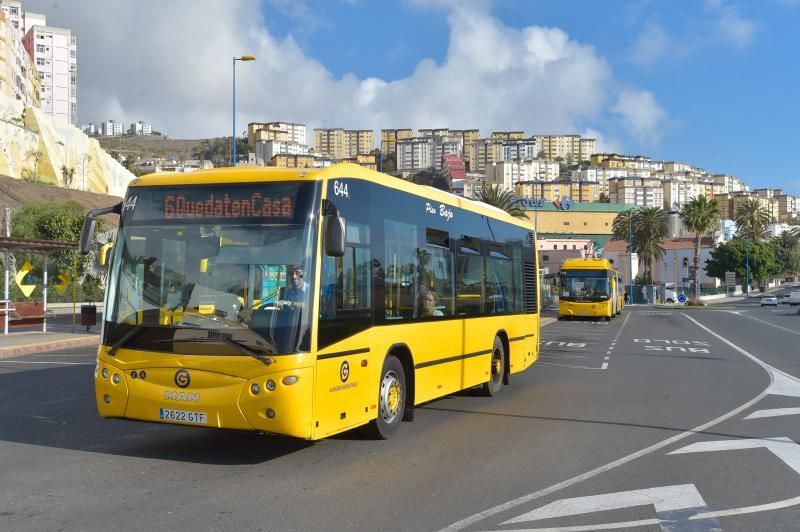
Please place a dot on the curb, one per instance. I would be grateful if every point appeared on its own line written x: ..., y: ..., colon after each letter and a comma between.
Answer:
x: 543, y: 322
x: 44, y: 347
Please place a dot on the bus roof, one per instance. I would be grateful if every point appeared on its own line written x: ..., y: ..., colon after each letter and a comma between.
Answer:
x: 587, y: 264
x: 253, y: 174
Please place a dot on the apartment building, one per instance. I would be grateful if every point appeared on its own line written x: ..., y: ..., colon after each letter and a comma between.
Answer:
x: 520, y: 149
x: 632, y: 162
x: 642, y: 191
x: 18, y: 77
x: 678, y: 192
x: 728, y: 184
x: 430, y: 133
x: 482, y: 153
x: 508, y: 135
x: 788, y: 207
x: 278, y: 131
x: 140, y: 128
x: 286, y: 160
x: 558, y: 189
x: 468, y: 136
x: 389, y: 138
x: 414, y: 155
x: 265, y: 150
x: 331, y: 143
x: 508, y: 173
x: 367, y: 160
x: 54, y: 52
x: 572, y: 148
x: 453, y: 168
x: 358, y: 141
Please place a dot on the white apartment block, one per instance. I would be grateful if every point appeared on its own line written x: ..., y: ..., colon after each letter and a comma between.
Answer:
x: 521, y: 149
x: 442, y: 147
x: 111, y: 128
x: 729, y: 184
x: 414, y: 154
x: 678, y: 192
x: 508, y: 173
x: 267, y: 149
x: 18, y: 78
x: 140, y: 128
x: 54, y: 53
x: 282, y: 131
x: 644, y: 192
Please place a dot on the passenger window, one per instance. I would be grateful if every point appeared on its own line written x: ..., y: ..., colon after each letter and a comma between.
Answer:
x: 401, y: 261
x: 436, y: 283
x: 469, y: 269
x: 346, y: 280
x: 499, y: 280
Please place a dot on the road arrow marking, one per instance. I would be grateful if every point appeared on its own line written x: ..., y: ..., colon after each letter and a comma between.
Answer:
x: 784, y: 448
x: 674, y: 506
x: 774, y: 412
x: 783, y: 384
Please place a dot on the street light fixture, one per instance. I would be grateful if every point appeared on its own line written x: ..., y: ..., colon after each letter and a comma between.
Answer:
x: 233, y: 138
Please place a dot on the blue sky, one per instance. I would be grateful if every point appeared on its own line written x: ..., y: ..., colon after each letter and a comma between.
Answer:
x: 725, y: 73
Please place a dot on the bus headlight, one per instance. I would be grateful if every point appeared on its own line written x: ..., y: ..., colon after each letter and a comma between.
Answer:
x: 270, y: 385
x: 104, y: 373
x: 115, y: 378
x: 255, y: 388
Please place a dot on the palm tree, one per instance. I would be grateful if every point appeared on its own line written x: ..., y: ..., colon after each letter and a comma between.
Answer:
x: 752, y: 218
x: 699, y: 216
x: 650, y: 225
x: 788, y: 239
x: 503, y: 199
x: 67, y: 175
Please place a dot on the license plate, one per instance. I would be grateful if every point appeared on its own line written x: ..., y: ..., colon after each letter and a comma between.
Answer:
x: 182, y: 416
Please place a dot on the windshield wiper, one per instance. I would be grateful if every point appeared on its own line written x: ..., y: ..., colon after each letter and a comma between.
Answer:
x: 130, y: 335
x: 228, y: 341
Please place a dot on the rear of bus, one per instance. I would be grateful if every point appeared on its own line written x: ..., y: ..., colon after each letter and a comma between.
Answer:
x: 587, y: 289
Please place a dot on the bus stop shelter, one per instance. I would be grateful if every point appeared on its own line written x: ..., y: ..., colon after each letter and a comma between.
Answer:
x: 23, y: 245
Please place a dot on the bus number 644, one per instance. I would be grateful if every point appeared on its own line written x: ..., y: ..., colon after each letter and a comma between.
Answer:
x: 340, y: 189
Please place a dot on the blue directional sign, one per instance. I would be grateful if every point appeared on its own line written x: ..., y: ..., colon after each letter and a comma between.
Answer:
x: 682, y: 298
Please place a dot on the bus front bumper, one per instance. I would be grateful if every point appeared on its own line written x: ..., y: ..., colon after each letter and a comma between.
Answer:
x: 279, y: 402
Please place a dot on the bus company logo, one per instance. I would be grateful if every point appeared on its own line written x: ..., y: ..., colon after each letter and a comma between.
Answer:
x: 182, y: 378
x: 564, y: 203
x: 344, y: 371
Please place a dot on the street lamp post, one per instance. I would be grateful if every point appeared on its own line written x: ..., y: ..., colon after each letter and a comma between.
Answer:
x: 746, y: 266
x: 630, y: 253
x: 233, y: 138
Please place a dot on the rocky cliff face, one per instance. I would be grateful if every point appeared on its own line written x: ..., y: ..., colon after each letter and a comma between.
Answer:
x: 36, y: 147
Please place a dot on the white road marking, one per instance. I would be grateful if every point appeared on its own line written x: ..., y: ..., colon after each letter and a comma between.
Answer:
x: 770, y: 324
x: 566, y: 365
x: 604, y: 366
x: 628, y: 458
x: 564, y: 356
x: 606, y: 358
x: 784, y: 448
x: 774, y: 412
x: 786, y: 503
x: 674, y: 505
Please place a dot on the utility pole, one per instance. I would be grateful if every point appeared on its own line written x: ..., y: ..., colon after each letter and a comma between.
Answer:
x: 630, y: 252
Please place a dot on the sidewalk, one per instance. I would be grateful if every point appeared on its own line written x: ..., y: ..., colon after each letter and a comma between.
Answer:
x: 16, y: 344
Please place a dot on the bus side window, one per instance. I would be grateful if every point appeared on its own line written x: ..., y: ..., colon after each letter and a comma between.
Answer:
x: 499, y: 279
x: 401, y: 261
x: 469, y: 277
x: 436, y: 266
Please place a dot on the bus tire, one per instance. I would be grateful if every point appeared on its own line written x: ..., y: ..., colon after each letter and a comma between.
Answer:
x: 392, y: 394
x: 607, y: 318
x: 498, y: 367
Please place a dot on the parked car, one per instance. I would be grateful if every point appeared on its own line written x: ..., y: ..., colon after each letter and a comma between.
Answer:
x: 794, y: 298
x: 787, y: 298
x: 769, y: 300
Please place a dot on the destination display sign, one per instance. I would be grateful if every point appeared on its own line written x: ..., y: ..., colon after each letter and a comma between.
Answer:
x: 265, y: 203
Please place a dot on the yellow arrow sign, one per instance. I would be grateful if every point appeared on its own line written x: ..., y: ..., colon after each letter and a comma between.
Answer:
x: 65, y: 279
x: 27, y: 289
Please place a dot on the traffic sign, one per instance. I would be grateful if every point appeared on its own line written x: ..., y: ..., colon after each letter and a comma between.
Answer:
x: 682, y: 298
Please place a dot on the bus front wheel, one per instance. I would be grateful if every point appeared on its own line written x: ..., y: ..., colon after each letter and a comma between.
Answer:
x: 498, y: 362
x: 392, y: 395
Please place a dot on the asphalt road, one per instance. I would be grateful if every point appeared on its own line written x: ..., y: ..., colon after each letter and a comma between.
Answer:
x: 663, y: 419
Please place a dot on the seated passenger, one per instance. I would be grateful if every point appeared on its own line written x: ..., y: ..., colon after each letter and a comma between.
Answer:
x: 427, y: 305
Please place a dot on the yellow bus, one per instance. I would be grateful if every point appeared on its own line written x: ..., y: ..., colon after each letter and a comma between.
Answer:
x: 589, y: 288
x: 307, y: 302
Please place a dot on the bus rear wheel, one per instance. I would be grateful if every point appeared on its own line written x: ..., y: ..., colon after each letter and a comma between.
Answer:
x: 392, y: 395
x: 498, y: 366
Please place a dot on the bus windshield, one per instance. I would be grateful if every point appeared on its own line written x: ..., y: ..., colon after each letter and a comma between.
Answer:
x: 233, y: 278
x: 584, y: 285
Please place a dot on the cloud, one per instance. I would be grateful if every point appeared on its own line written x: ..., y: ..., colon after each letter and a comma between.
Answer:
x: 161, y: 62
x: 650, y: 45
x: 733, y: 28
x: 644, y: 116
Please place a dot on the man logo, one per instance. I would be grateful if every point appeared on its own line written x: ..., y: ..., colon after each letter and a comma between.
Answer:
x: 182, y: 396
x: 182, y: 378
x: 344, y: 371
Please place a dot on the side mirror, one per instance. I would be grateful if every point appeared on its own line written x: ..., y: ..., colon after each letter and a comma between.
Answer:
x: 86, y: 235
x: 88, y: 226
x: 334, y: 235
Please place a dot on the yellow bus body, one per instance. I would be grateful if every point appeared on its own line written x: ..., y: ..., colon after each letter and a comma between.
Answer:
x: 593, y: 309
x: 444, y: 356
